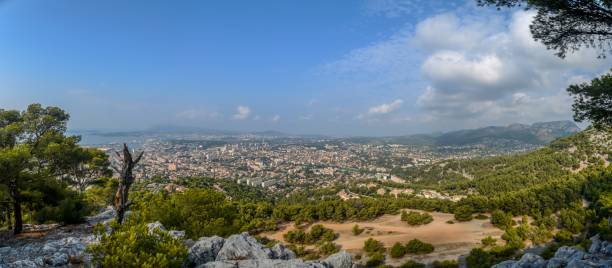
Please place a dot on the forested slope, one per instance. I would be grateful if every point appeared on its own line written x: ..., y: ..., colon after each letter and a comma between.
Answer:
x: 563, y: 157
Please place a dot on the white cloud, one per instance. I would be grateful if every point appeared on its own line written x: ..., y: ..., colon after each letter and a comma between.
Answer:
x: 497, y: 76
x: 242, y: 112
x: 275, y: 118
x: 386, y: 108
x: 447, y: 31
x: 477, y: 67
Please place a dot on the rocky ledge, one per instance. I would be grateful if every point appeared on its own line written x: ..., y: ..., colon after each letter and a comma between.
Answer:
x: 243, y: 251
x: 65, y: 247
x: 598, y: 255
x: 53, y: 245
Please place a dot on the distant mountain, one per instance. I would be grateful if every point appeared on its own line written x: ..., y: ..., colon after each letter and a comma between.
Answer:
x: 534, y: 134
x: 494, y: 136
x: 537, y: 133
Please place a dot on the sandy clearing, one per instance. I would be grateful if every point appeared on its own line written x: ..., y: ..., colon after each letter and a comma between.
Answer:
x: 450, y: 240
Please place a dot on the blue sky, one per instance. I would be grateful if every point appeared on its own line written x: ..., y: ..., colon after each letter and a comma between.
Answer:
x: 379, y: 67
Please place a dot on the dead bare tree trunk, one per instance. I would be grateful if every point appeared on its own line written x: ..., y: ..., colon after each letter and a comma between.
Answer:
x: 8, y: 217
x: 126, y: 178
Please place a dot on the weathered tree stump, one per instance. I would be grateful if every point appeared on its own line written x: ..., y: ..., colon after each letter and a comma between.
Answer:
x: 126, y: 178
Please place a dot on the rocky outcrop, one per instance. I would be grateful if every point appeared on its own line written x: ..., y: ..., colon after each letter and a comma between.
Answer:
x: 60, y: 252
x: 104, y: 216
x: 204, y: 250
x: 263, y: 263
x: 600, y: 247
x: 61, y: 246
x: 158, y: 226
x: 599, y: 255
x: 283, y: 253
x: 340, y: 259
x: 243, y: 247
x: 65, y: 247
x: 244, y: 251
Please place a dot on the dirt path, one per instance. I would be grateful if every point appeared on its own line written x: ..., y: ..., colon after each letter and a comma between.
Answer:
x: 450, y: 240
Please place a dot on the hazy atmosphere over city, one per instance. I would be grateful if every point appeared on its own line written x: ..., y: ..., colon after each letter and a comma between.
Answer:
x: 377, y: 67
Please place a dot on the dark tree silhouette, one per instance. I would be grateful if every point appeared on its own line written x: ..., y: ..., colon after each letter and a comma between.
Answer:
x: 126, y: 178
x: 593, y: 101
x: 567, y: 25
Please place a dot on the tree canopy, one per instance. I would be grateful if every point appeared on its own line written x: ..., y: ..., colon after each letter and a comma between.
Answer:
x: 567, y: 25
x: 593, y: 101
x: 38, y: 161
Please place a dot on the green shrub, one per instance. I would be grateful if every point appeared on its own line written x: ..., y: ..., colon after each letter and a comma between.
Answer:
x: 102, y: 194
x: 295, y: 237
x: 445, y: 264
x: 318, y: 233
x: 481, y: 217
x: 375, y: 259
x: 416, y: 246
x: 564, y: 237
x: 539, y: 235
x: 548, y: 221
x: 356, y: 230
x: 604, y: 229
x: 488, y: 241
x: 397, y: 251
x: 572, y: 220
x: 412, y: 264
x: 200, y: 212
x: 503, y: 252
x: 328, y: 248
x: 372, y: 246
x: 513, y: 238
x: 134, y: 246
x: 479, y: 258
x: 299, y: 250
x: 464, y: 213
x: 416, y: 218
x: 550, y: 251
x: 501, y: 219
x: 311, y: 256
x: 71, y: 210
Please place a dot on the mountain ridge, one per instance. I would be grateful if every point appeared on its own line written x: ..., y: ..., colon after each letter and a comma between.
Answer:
x: 538, y: 133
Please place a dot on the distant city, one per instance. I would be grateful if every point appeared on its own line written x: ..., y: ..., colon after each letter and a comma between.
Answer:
x: 282, y: 162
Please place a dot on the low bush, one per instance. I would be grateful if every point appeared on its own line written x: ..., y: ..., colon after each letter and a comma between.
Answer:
x: 416, y: 246
x: 397, y: 251
x: 318, y: 233
x: 445, y: 264
x: 481, y: 217
x: 416, y: 218
x: 464, y: 213
x: 488, y: 241
x: 373, y: 246
x: 376, y: 259
x: 71, y: 210
x: 134, y: 246
x: 356, y: 230
x: 501, y: 219
x: 328, y: 248
x: 412, y: 264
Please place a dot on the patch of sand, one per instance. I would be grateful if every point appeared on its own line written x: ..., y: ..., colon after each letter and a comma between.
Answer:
x: 450, y: 240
